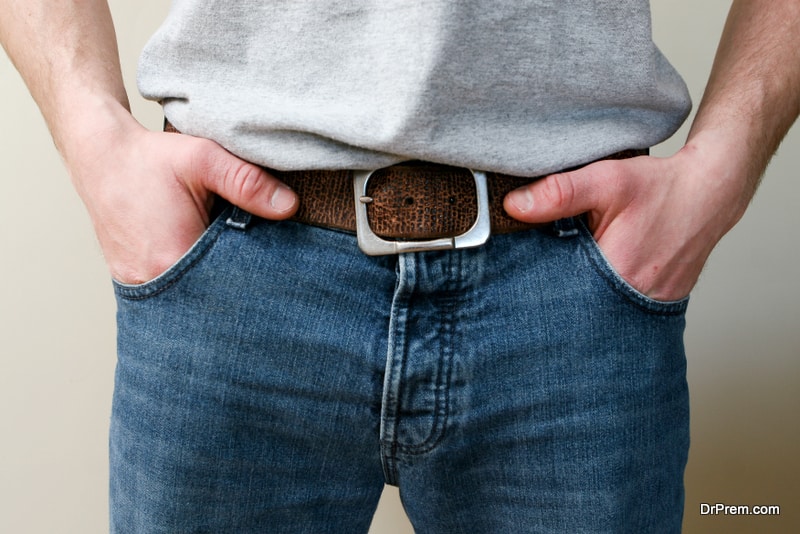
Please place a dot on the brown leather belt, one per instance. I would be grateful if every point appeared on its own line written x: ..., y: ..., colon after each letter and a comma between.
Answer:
x: 412, y: 201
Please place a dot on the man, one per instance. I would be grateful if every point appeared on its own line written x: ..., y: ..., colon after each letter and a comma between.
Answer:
x: 274, y: 376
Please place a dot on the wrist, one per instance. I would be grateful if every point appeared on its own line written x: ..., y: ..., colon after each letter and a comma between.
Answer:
x: 94, y: 137
x: 722, y: 175
x: 89, y: 128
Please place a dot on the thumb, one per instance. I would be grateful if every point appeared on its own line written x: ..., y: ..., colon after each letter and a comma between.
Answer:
x: 246, y: 185
x: 554, y: 197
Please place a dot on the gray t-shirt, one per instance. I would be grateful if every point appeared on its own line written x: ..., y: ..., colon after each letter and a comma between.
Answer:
x: 518, y: 86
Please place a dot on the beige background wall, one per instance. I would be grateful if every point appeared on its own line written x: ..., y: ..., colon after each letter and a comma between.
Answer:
x: 57, y: 323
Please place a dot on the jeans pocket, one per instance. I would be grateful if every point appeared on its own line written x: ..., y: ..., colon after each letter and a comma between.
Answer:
x: 618, y: 283
x: 177, y: 270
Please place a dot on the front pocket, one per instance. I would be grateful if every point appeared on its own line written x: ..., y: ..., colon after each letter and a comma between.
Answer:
x: 621, y: 286
x: 177, y: 270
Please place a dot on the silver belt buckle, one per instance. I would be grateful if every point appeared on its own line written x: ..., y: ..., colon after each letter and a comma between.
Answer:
x: 373, y: 245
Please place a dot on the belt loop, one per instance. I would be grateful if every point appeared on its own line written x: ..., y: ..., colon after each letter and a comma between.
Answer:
x: 566, y: 227
x: 239, y: 219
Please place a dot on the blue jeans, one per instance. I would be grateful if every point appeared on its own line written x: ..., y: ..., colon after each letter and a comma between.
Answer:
x: 275, y: 378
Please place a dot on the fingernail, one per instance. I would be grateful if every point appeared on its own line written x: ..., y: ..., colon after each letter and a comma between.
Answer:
x: 283, y: 199
x: 522, y: 199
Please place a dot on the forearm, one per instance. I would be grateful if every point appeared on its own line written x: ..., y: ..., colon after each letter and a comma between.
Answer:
x: 66, y: 52
x: 753, y: 94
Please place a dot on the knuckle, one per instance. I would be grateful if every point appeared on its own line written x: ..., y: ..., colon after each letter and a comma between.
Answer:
x: 612, y: 173
x: 200, y: 161
x: 138, y: 272
x: 244, y: 181
x: 561, y: 190
x: 225, y: 174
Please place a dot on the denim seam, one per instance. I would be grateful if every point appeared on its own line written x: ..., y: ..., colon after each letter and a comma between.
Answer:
x: 441, y: 411
x: 175, y: 273
x: 390, y: 399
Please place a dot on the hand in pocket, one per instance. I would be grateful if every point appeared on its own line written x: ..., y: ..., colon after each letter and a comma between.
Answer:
x: 150, y: 193
x: 655, y: 219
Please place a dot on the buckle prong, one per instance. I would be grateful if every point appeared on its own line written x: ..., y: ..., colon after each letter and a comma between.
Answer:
x: 373, y: 245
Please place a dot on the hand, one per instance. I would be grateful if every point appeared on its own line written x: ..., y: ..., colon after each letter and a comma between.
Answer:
x: 656, y: 220
x: 149, y: 195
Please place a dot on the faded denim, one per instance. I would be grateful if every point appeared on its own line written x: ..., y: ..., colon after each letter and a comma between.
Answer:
x: 275, y: 378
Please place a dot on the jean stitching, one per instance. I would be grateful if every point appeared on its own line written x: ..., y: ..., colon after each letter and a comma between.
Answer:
x: 441, y: 409
x: 175, y: 273
x: 390, y: 402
